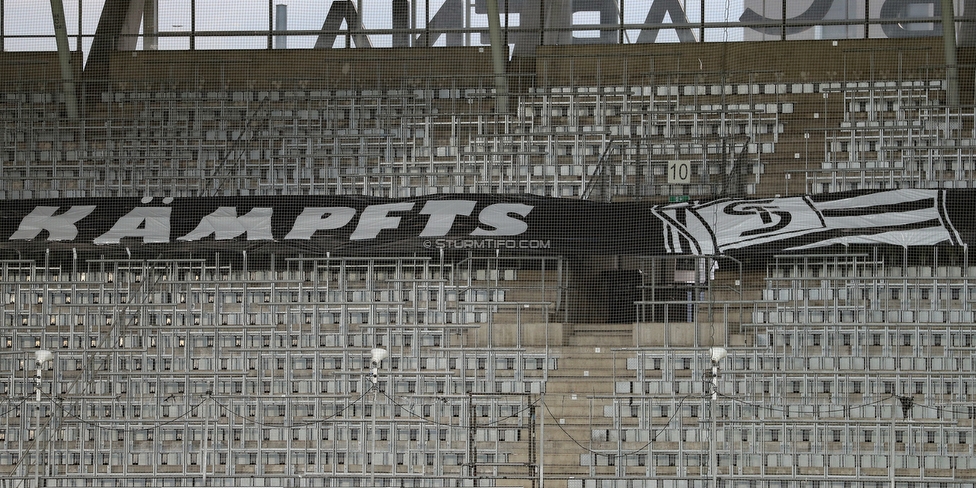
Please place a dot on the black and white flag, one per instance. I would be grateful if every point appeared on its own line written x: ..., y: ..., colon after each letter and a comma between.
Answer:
x: 899, y: 217
x: 495, y: 224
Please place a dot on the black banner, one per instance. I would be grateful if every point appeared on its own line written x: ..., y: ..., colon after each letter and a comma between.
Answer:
x: 496, y: 224
x: 341, y: 225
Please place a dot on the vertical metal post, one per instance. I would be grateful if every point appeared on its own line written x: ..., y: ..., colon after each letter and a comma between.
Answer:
x: 150, y: 25
x: 949, y: 40
x: 372, y: 436
x: 782, y: 25
x: 534, y: 465
x: 542, y: 413
x: 472, y: 448
x: 891, y: 443
x: 377, y: 356
x: 281, y: 25
x: 41, y: 356
x: 193, y: 24
x: 37, y: 428
x: 64, y: 60
x: 499, y: 53
x: 716, y: 354
x: 701, y: 28
x: 713, y: 455
x: 203, y: 452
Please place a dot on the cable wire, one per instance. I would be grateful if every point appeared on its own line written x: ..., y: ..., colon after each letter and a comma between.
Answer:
x: 91, y: 423
x: 628, y: 453
x: 434, y: 422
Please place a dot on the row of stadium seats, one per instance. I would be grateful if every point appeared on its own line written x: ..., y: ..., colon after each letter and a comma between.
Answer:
x: 164, y: 131
x: 293, y: 390
x: 897, y: 136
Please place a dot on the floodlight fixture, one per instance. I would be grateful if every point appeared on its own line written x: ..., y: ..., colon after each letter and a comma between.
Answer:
x: 377, y: 355
x: 42, y: 356
x: 717, y: 353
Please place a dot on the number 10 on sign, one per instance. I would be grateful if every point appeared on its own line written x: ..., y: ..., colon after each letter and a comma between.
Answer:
x: 679, y: 172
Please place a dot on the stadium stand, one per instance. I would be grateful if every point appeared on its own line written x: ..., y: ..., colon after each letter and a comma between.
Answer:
x: 214, y: 366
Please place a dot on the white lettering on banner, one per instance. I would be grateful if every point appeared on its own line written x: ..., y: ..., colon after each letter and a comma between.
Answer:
x: 497, y: 216
x: 442, y: 214
x: 224, y: 224
x: 376, y: 218
x: 58, y: 227
x: 152, y: 224
x: 149, y: 223
x: 311, y: 220
x: 489, y: 244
